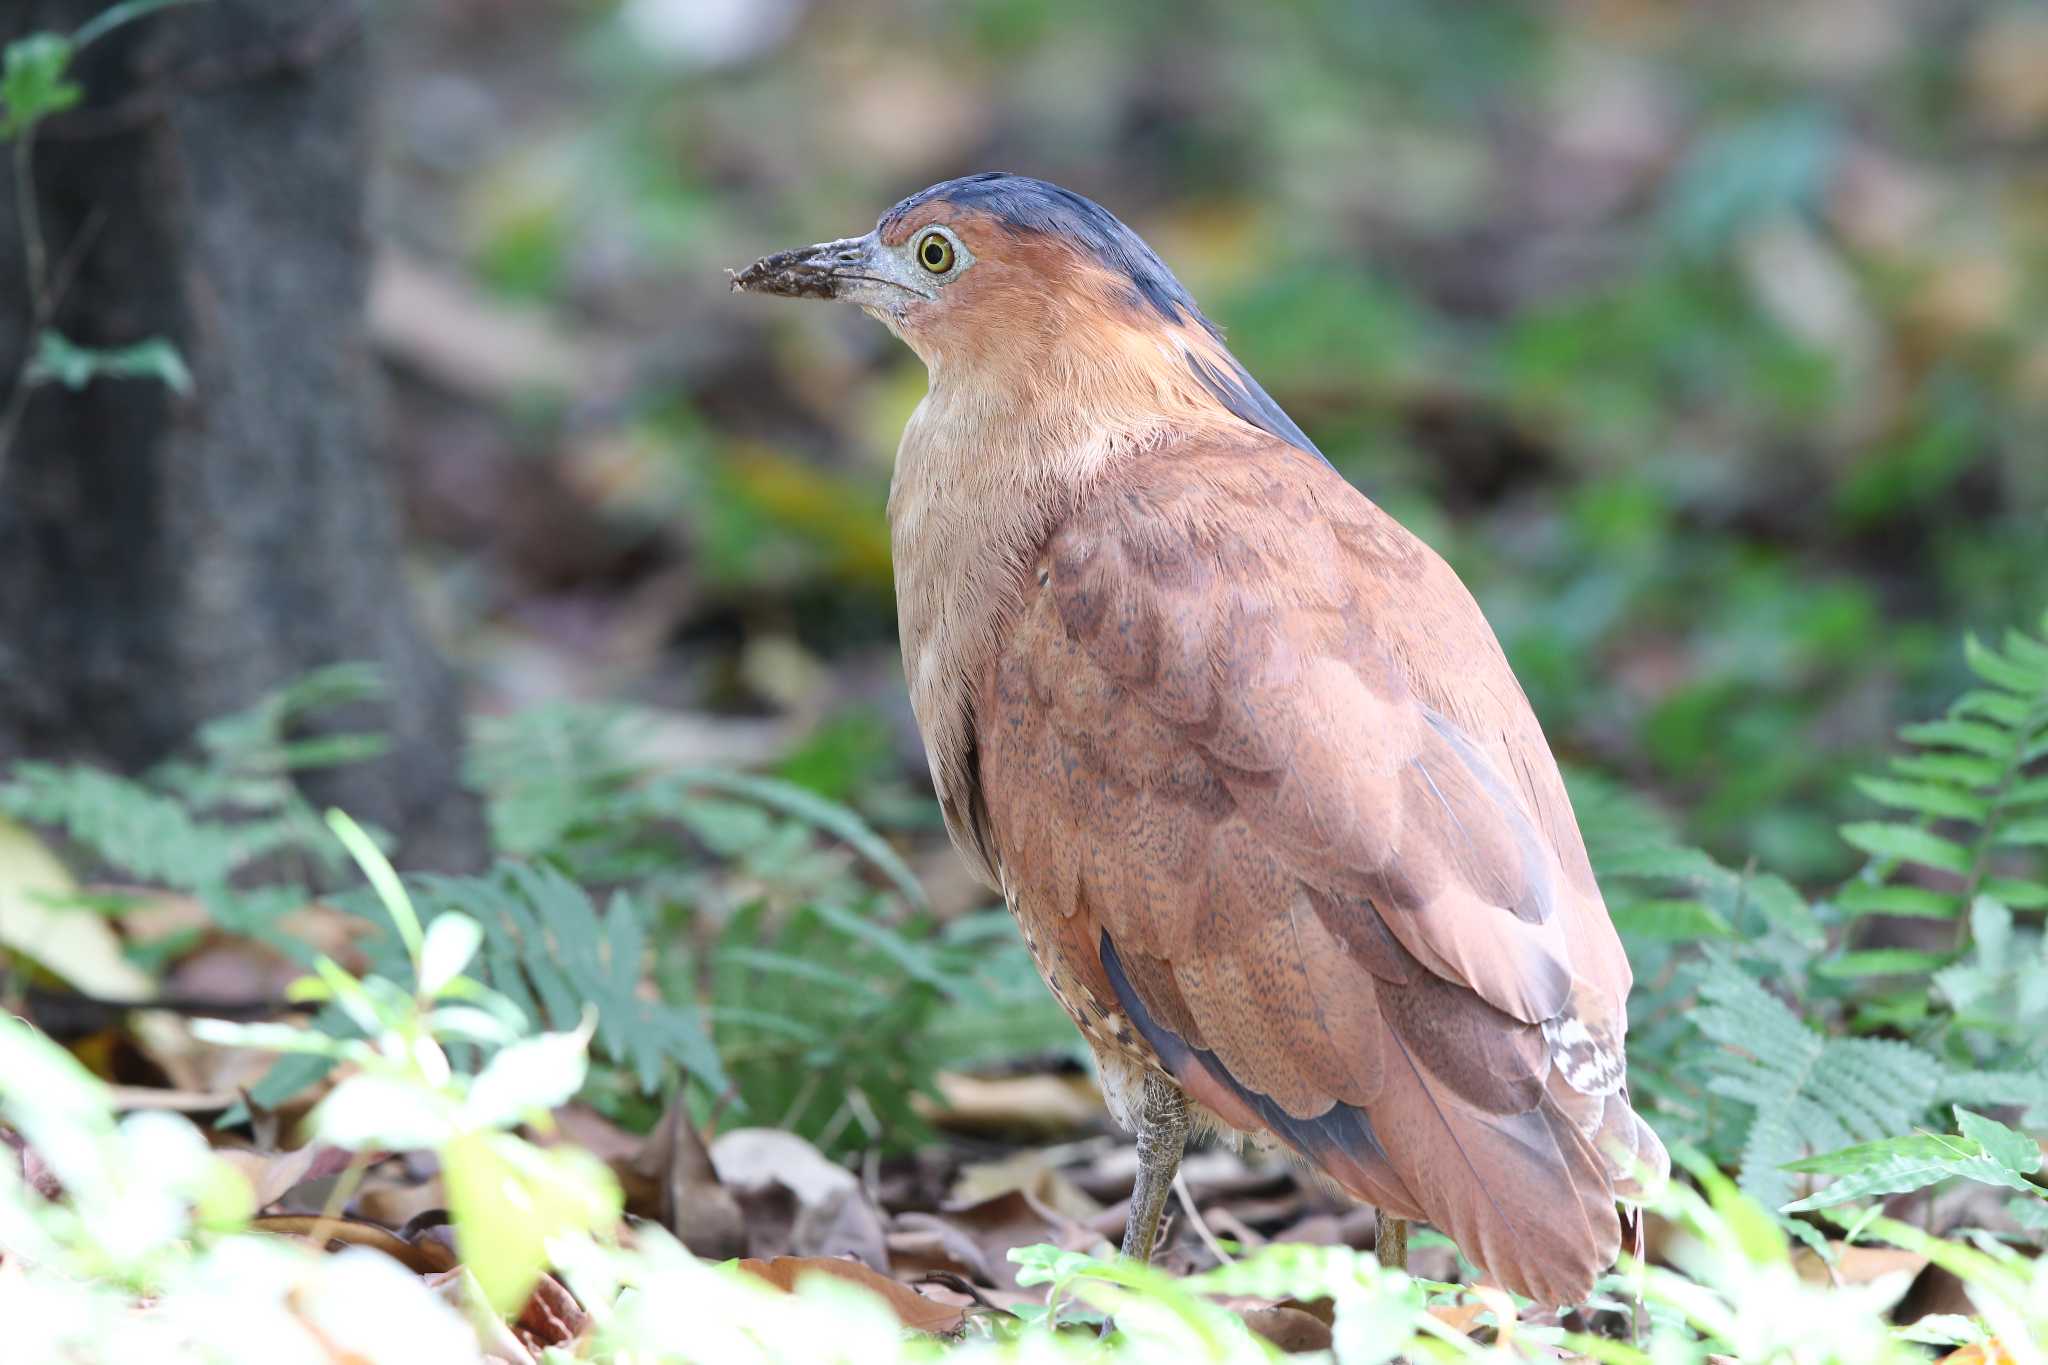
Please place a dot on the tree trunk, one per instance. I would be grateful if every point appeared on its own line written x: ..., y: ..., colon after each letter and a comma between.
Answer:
x: 165, y: 560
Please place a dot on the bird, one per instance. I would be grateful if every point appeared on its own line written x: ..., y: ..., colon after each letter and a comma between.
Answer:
x: 1240, y: 752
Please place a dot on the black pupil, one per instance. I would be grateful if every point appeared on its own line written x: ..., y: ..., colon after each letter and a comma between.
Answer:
x: 934, y: 252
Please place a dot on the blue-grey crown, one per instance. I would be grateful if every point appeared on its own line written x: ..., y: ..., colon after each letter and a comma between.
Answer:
x: 1029, y: 205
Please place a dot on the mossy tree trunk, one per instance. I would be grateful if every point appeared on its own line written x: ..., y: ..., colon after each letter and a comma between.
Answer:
x: 166, y: 559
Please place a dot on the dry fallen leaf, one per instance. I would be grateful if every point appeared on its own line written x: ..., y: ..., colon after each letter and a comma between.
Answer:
x: 423, y: 1257
x: 1030, y: 1171
x: 913, y: 1309
x: 552, y: 1317
x: 688, y: 1198
x: 1459, y: 1317
x: 795, y: 1200
x: 274, y: 1174
x: 1013, y: 1219
x: 1012, y: 1104
x: 1291, y: 1329
x: 1990, y: 1352
x: 1860, y: 1265
x: 74, y: 942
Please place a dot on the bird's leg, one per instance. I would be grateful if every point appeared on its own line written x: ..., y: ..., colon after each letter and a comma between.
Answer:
x: 1162, y: 1136
x: 1391, y: 1243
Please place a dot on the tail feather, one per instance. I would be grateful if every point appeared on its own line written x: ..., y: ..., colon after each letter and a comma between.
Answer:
x: 1526, y: 1196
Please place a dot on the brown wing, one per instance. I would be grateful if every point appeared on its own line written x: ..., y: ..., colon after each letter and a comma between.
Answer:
x: 1255, y: 766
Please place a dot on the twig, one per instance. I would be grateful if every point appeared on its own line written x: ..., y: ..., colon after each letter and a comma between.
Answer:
x: 73, y: 259
x: 39, y: 305
x: 45, y: 299
x: 1200, y: 1224
x: 31, y: 224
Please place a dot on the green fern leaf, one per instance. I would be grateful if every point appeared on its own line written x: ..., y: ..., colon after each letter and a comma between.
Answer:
x: 1802, y: 1092
x: 1908, y: 844
x: 548, y: 950
x: 1925, y: 798
x: 1983, y: 815
x: 1878, y: 898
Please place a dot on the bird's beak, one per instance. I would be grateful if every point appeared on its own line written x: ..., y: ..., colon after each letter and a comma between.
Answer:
x: 855, y: 269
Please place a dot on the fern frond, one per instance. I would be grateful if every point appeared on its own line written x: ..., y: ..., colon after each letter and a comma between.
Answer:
x: 1659, y: 890
x: 195, y: 822
x: 2001, y: 987
x: 1972, y: 805
x: 553, y: 773
x: 1803, y: 1092
x: 149, y: 835
x: 548, y: 950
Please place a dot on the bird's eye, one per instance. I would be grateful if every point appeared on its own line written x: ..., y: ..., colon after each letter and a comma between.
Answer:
x: 935, y: 253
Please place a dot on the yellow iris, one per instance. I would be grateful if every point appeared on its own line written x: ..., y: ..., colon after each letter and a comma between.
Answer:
x: 935, y: 253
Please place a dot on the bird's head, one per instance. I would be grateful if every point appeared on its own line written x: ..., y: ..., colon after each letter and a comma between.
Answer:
x: 1015, y: 283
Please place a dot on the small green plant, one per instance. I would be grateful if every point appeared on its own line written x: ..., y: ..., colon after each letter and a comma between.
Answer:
x: 795, y: 923
x: 1974, y: 801
x: 782, y: 932
x: 1982, y: 1149
x: 147, y: 1210
x: 1759, y: 1040
x: 202, y: 824
x: 506, y: 1197
x: 36, y: 83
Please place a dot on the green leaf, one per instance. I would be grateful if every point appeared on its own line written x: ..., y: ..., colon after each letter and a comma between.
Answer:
x: 1980, y: 773
x: 1908, y: 843
x: 828, y: 816
x: 1995, y: 668
x: 2015, y: 1151
x: 2018, y: 894
x: 58, y: 360
x: 1676, y: 920
x: 531, y: 1075
x: 508, y: 1197
x: 1987, y: 740
x: 32, y: 81
x: 1899, y: 1166
x: 468, y: 1024
x: 383, y: 879
x: 351, y: 995
x: 1785, y: 909
x: 1925, y: 798
x: 1805, y: 1092
x: 1877, y: 898
x: 371, y: 1111
x: 2027, y: 651
x: 2024, y: 1087
x: 920, y: 965
x: 2008, y: 712
x: 2031, y: 833
x: 1881, y: 962
x: 449, y: 945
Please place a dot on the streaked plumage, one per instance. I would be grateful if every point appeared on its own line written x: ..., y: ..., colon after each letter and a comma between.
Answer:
x: 1240, y: 752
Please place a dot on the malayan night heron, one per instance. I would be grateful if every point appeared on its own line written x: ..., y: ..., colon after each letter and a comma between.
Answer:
x: 1239, y: 751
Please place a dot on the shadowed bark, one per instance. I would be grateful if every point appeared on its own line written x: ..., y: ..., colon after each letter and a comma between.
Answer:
x: 164, y: 560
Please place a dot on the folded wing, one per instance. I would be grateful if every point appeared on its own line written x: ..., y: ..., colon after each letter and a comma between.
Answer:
x: 1255, y: 765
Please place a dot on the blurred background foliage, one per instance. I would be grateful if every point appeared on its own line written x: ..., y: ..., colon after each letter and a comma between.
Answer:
x: 1709, y: 343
